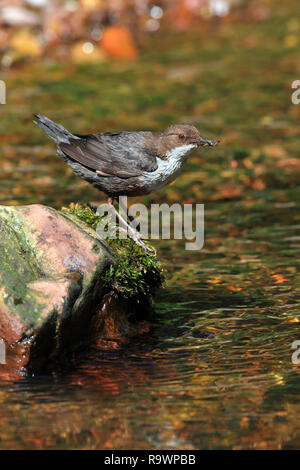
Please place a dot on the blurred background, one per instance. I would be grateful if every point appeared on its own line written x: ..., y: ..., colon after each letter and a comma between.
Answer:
x: 88, y: 30
x: 216, y: 370
x: 95, y: 65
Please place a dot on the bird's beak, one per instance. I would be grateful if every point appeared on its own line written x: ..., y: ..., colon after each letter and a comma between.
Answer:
x: 207, y: 142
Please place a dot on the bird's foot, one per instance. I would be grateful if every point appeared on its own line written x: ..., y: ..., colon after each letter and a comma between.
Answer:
x: 136, y: 237
x: 132, y: 233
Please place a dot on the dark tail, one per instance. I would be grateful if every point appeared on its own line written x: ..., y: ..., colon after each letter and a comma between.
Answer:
x: 57, y: 132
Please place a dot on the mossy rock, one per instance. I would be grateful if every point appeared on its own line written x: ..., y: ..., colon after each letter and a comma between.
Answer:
x: 55, y: 275
x: 136, y: 274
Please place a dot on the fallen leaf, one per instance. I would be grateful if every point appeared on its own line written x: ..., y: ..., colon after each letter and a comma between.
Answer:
x: 117, y: 41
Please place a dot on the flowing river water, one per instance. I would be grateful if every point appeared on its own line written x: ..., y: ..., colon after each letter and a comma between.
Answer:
x: 216, y: 370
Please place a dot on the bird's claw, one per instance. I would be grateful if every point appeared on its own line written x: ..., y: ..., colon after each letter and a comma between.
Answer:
x: 136, y: 237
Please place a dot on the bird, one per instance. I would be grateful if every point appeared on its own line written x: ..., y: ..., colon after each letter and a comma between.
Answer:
x: 126, y: 163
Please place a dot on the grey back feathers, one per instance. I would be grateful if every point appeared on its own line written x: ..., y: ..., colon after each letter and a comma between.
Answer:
x: 57, y: 132
x: 125, y: 163
x: 122, y: 154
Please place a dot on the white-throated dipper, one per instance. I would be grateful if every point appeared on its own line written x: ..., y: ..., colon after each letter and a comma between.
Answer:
x: 126, y: 163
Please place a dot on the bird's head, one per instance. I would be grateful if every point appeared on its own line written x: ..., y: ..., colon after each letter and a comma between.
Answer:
x: 180, y: 135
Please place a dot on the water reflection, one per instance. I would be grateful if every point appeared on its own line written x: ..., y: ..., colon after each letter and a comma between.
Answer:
x: 215, y: 371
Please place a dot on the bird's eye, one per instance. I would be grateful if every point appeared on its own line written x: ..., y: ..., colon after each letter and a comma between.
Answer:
x: 181, y: 136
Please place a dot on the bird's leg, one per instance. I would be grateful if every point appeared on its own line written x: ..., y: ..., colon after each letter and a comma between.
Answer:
x: 134, y: 234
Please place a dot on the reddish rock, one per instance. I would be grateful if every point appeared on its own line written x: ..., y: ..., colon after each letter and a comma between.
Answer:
x: 50, y: 284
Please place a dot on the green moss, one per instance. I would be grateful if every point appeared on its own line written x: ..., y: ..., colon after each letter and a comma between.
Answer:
x: 137, y: 273
x: 85, y: 213
x: 18, y: 267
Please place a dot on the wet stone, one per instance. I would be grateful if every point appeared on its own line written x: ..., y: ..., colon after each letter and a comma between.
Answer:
x: 50, y: 284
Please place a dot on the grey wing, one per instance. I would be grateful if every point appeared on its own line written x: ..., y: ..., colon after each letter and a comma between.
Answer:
x: 121, y: 154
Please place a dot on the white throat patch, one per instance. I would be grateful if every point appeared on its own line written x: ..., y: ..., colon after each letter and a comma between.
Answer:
x: 167, y: 169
